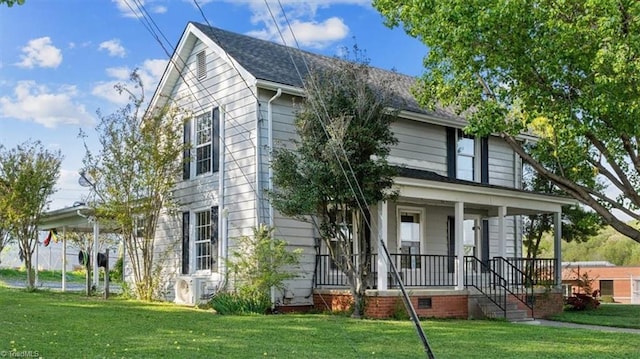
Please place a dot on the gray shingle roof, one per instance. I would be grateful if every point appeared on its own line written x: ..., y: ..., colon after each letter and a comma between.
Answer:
x: 274, y: 62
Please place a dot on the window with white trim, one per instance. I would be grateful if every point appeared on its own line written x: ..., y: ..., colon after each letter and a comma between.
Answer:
x: 466, y: 157
x: 204, y: 143
x: 346, y: 228
x: 202, y: 240
x: 410, y: 239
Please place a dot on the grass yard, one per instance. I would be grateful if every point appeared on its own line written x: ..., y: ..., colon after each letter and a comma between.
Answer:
x: 67, y: 325
x: 612, y: 315
x: 46, y: 275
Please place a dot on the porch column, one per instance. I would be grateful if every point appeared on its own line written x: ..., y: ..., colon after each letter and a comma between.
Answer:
x: 502, y: 232
x: 459, y: 240
x: 557, y: 246
x: 383, y: 222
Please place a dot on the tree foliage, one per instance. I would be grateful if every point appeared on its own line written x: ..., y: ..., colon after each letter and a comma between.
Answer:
x: 28, y: 174
x: 10, y: 3
x: 134, y: 176
x: 338, y: 165
x: 607, y: 245
x: 578, y: 224
x: 567, y: 71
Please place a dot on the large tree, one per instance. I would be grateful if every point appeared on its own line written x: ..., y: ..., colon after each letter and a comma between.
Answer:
x: 338, y: 165
x: 568, y: 71
x: 578, y: 224
x: 28, y: 174
x: 134, y: 176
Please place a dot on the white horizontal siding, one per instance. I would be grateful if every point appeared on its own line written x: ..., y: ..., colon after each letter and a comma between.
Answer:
x: 420, y: 145
x: 501, y: 163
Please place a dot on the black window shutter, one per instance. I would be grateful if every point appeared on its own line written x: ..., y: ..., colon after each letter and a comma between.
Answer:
x: 451, y: 152
x: 186, y: 154
x: 214, y: 234
x: 185, y: 242
x: 484, y: 245
x: 484, y: 160
x: 216, y: 139
x: 451, y: 243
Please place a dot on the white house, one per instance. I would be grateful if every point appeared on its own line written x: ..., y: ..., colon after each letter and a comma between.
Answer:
x: 454, y: 232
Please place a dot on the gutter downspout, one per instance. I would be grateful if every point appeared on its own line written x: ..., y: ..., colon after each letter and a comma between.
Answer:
x: 270, y: 144
x: 258, y: 161
x: 222, y: 229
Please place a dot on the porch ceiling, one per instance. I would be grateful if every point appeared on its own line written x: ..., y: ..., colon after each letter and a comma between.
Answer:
x: 482, y: 198
x: 72, y: 219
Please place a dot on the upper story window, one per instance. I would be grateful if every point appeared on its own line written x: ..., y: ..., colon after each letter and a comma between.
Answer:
x: 201, y: 139
x: 201, y: 59
x: 203, y: 143
x: 466, y: 157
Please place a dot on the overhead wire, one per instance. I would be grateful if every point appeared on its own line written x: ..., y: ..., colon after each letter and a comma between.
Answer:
x: 387, y: 258
x: 227, y: 115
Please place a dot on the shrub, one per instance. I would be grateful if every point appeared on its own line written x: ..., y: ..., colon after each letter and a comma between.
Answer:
x: 581, y: 301
x: 399, y: 311
x: 227, y: 303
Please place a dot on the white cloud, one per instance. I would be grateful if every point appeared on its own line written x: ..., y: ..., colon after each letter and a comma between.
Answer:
x: 302, y: 15
x: 158, y: 9
x: 114, y: 48
x: 128, y: 8
x: 150, y: 72
x: 36, y: 103
x: 307, y: 34
x: 137, y: 8
x: 41, y: 53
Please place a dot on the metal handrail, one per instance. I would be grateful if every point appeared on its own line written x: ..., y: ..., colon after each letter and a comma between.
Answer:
x: 488, y: 282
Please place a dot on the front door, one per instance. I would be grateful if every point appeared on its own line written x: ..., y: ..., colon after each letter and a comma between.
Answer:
x: 471, y: 239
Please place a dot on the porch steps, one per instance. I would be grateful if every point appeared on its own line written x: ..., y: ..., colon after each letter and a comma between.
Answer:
x: 491, y: 310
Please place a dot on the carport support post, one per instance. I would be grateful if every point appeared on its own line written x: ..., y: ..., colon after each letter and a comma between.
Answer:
x: 459, y: 235
x: 64, y: 259
x: 106, y: 275
x: 557, y: 247
x: 96, y: 231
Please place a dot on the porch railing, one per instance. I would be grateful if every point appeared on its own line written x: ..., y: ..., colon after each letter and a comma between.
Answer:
x: 517, y: 282
x: 539, y: 271
x: 415, y: 270
x: 491, y: 284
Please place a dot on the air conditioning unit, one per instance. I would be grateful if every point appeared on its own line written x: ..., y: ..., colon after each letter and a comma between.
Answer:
x: 184, y: 291
x: 192, y: 290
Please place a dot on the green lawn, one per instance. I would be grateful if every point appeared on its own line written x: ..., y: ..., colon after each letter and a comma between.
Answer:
x: 46, y: 275
x: 67, y: 325
x: 613, y: 315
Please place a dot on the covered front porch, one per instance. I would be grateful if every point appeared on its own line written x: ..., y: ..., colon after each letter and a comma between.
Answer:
x: 456, y: 238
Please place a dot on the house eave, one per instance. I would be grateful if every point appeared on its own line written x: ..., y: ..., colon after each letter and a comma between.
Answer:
x: 274, y: 86
x: 491, y: 197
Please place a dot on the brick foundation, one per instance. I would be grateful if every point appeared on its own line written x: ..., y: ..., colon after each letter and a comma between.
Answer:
x: 383, y: 304
x: 546, y: 304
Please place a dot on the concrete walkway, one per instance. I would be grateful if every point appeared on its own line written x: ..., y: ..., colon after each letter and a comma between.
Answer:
x: 551, y: 323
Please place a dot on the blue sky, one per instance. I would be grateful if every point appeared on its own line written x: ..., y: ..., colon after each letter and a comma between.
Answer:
x: 59, y: 60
